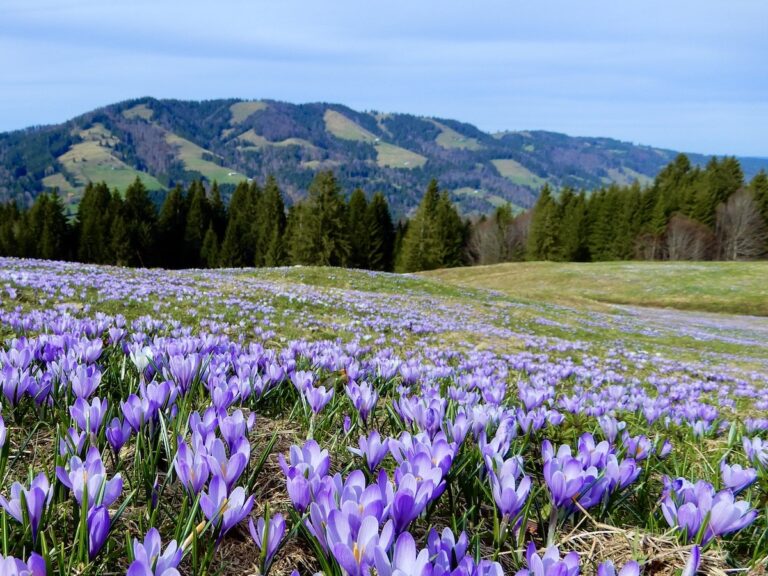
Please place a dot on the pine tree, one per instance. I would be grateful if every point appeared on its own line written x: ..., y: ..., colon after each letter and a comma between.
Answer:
x: 218, y: 211
x: 140, y: 220
x: 545, y: 224
x: 10, y: 225
x: 327, y: 222
x: 359, y: 230
x: 94, y: 223
x: 381, y: 234
x: 451, y: 232
x: 54, y: 234
x: 209, y: 253
x: 198, y: 220
x: 420, y: 248
x: 297, y: 234
x: 271, y: 224
x: 170, y: 229
x: 759, y: 188
x: 573, y: 229
x: 238, y: 247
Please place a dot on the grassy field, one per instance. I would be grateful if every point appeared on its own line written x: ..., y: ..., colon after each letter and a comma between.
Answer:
x: 518, y: 173
x: 139, y: 111
x: 192, y: 156
x: 732, y: 287
x: 165, y: 371
x: 242, y: 110
x: 92, y: 161
x: 393, y: 156
x: 449, y: 138
x: 346, y: 129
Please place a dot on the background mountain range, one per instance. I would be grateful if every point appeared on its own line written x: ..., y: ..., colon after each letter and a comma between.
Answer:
x: 165, y: 142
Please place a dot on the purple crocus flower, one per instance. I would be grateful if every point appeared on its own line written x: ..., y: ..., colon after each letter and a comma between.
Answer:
x: 72, y: 443
x: 307, y: 459
x: 35, y: 566
x: 355, y: 551
x: 737, y: 478
x: 564, y: 477
x: 606, y: 568
x: 222, y: 508
x: 149, y: 560
x: 37, y: 497
x: 229, y: 468
x: 268, y: 537
x: 3, y: 432
x: 692, y: 566
x: 89, y: 417
x: 90, y: 474
x: 98, y: 529
x: 233, y: 428
x: 756, y: 451
x: 191, y: 468
x: 510, y: 488
x: 687, y: 506
x: 373, y: 449
x: 318, y: 397
x: 405, y: 560
x: 550, y: 563
x: 363, y: 397
x: 118, y: 434
x: 84, y: 380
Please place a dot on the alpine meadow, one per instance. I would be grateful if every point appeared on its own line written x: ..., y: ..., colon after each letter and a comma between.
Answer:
x: 423, y: 332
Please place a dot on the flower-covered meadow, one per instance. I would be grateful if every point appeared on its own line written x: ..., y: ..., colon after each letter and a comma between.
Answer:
x: 349, y: 422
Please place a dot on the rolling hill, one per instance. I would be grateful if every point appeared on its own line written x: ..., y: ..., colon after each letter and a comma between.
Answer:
x: 165, y: 142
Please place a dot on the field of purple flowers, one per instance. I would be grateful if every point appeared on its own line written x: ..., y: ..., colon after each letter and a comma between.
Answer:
x: 346, y: 422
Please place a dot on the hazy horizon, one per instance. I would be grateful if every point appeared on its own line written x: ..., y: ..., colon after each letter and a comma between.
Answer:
x: 683, y: 77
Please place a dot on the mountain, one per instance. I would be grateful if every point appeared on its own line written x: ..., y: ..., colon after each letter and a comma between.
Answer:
x: 165, y: 142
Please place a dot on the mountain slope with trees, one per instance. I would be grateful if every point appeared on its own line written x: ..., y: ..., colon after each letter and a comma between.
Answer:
x: 166, y: 143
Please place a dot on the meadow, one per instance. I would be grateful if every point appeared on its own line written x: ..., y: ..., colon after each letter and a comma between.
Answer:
x: 484, y: 421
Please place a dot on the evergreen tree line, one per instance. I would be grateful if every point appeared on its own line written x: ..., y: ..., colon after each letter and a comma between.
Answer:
x: 194, y: 229
x: 687, y: 213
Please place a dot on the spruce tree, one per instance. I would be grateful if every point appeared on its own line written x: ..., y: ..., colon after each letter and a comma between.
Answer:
x: 451, y: 232
x: 359, y: 230
x: 327, y: 222
x: 271, y: 224
x: 54, y: 233
x: 421, y: 248
x: 140, y: 220
x: 297, y: 234
x: 209, y: 252
x: 381, y: 234
x: 573, y: 229
x: 545, y: 223
x: 198, y: 220
x: 94, y: 224
x: 171, y: 226
x: 237, y: 248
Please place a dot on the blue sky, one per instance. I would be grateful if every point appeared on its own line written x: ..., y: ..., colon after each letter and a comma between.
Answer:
x: 687, y: 75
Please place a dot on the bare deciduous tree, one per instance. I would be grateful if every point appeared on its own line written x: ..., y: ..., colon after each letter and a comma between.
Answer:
x: 741, y: 231
x: 687, y: 239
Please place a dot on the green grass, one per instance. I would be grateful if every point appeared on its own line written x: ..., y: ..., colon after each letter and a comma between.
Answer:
x: 346, y: 129
x: 242, y: 110
x: 92, y: 161
x: 139, y: 111
x: 732, y: 287
x: 392, y: 156
x: 517, y: 173
x: 257, y: 141
x: 192, y: 156
x: 492, y: 199
x: 449, y: 138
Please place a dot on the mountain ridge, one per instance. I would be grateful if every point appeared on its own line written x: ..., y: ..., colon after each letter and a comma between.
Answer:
x: 167, y: 142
